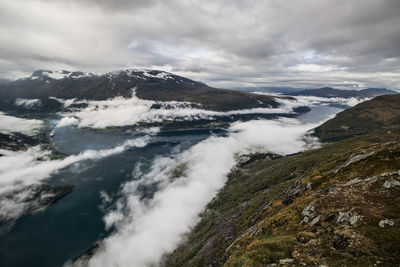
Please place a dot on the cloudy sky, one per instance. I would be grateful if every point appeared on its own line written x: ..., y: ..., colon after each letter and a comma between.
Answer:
x: 226, y: 43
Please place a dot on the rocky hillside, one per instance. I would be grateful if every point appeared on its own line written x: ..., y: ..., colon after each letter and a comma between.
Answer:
x: 333, y: 206
x: 380, y: 114
x: 331, y: 92
x: 33, y: 92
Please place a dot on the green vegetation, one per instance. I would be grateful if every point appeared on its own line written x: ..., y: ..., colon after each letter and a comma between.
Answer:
x: 55, y: 156
x: 319, y: 207
x: 382, y: 114
x: 178, y: 171
x: 249, y: 222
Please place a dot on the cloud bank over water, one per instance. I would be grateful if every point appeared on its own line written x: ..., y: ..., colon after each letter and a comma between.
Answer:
x: 10, y: 124
x: 67, y: 121
x: 146, y: 230
x: 312, y: 101
x: 121, y: 111
x: 21, y: 169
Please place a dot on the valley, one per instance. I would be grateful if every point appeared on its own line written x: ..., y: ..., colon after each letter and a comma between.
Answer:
x: 103, y: 166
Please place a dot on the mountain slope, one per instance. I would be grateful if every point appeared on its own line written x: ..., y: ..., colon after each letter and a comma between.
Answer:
x: 149, y: 84
x: 337, y: 206
x: 377, y: 115
x: 331, y: 92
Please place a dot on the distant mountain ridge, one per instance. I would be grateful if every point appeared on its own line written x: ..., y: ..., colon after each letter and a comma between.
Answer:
x: 150, y: 84
x: 331, y: 92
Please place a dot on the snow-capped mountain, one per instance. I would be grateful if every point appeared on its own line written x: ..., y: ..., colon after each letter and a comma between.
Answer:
x: 45, y: 85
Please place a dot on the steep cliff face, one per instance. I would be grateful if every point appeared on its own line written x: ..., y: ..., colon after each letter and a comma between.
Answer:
x: 337, y: 205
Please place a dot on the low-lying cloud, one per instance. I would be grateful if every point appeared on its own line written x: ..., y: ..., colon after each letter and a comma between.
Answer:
x: 21, y: 169
x: 67, y: 121
x: 145, y: 230
x: 312, y: 101
x: 10, y: 124
x: 121, y: 111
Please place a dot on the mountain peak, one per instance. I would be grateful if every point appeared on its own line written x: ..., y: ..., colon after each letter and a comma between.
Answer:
x: 58, y: 74
x: 141, y: 74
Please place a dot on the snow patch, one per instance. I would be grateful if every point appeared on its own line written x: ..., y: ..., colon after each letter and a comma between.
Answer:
x: 161, y: 75
x: 57, y: 75
x: 28, y: 103
x: 65, y: 102
x: 61, y: 74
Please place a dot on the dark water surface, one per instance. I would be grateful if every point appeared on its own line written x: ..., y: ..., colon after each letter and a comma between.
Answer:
x: 66, y: 229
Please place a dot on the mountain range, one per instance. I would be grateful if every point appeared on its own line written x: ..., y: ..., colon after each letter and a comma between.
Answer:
x: 331, y: 92
x: 38, y: 92
x: 148, y: 84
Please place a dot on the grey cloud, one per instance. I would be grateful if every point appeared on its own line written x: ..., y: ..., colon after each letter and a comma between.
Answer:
x: 111, y: 5
x: 224, y: 43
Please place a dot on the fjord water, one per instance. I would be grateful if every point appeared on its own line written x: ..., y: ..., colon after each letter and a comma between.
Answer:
x: 66, y: 229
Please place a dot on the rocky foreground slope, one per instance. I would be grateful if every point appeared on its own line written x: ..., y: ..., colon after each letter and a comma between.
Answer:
x: 338, y: 205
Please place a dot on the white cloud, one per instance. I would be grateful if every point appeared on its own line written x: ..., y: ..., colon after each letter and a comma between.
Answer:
x: 120, y: 111
x: 10, y: 124
x: 67, y: 121
x: 146, y: 230
x: 65, y: 102
x: 312, y: 101
x: 21, y: 169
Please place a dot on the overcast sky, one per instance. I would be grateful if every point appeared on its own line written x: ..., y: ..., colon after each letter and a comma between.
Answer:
x: 228, y: 43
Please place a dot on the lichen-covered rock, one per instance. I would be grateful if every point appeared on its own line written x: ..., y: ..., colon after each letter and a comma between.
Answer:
x: 292, y: 193
x: 286, y: 261
x: 354, y: 181
x: 391, y: 182
x: 353, y: 159
x: 309, y: 211
x: 343, y: 217
x: 354, y: 219
x: 308, y: 186
x: 384, y: 223
x: 315, y: 220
